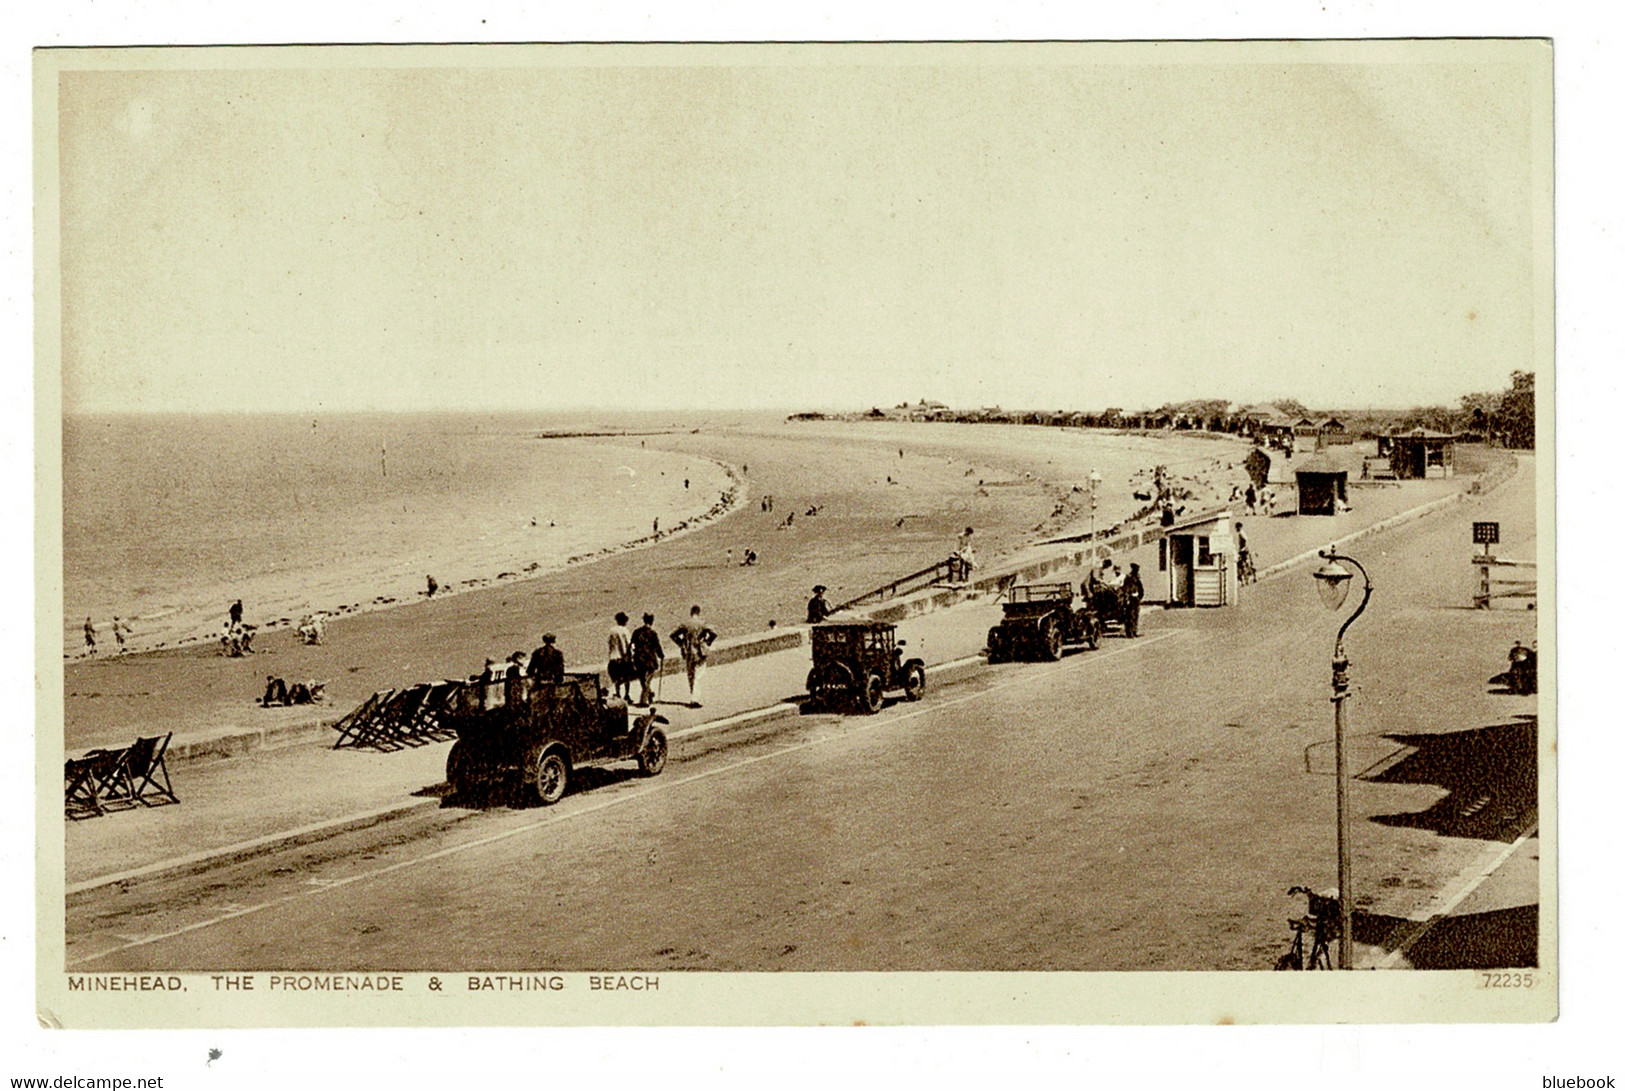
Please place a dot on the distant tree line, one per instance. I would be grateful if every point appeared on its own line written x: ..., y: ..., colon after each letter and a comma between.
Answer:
x: 1505, y: 417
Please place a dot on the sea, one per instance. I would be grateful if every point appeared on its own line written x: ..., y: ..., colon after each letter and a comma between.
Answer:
x: 168, y: 519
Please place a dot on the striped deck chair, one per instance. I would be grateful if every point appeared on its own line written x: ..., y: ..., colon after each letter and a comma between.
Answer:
x: 359, y: 721
x: 96, y: 783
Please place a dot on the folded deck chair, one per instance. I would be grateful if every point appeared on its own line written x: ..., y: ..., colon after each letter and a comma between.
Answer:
x: 146, y: 776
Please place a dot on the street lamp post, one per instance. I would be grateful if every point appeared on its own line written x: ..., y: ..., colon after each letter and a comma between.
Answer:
x: 1094, y: 500
x: 1334, y: 578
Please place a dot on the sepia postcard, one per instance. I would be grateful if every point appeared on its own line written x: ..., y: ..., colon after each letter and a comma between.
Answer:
x: 787, y: 534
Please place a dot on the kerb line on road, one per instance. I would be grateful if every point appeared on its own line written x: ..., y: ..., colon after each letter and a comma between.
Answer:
x: 857, y: 728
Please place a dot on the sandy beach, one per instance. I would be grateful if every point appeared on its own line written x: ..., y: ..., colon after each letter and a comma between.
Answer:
x: 880, y: 515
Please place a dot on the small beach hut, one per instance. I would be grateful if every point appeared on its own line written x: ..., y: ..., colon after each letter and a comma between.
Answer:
x: 1421, y: 453
x: 1197, y: 559
x: 1322, y: 482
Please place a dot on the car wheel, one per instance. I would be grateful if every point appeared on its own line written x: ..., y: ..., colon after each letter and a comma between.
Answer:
x: 552, y: 778
x: 652, y: 758
x: 914, y: 682
x: 1052, y: 639
x: 873, y: 694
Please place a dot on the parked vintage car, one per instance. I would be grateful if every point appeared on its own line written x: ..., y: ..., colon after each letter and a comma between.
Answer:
x: 1040, y: 619
x: 857, y: 663
x: 519, y: 740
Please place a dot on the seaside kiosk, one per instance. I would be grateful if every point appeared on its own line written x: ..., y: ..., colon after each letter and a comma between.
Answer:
x: 1323, y: 481
x: 1197, y: 557
x: 1420, y: 453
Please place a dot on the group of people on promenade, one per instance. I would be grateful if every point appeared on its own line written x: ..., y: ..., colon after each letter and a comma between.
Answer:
x: 1114, y: 593
x: 635, y: 656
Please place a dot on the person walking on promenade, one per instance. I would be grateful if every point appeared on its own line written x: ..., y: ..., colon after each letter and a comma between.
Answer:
x: 647, y: 656
x: 1133, y: 593
x: 620, y: 657
x: 90, y: 637
x: 817, y: 607
x: 693, y: 638
x: 547, y: 662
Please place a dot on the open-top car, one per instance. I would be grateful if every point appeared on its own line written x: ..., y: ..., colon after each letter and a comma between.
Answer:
x: 857, y: 663
x: 1040, y: 619
x: 520, y: 740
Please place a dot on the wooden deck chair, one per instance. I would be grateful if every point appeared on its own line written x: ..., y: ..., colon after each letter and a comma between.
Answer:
x: 109, y: 779
x: 82, y: 787
x: 430, y: 722
x: 146, y: 776
x: 395, y: 719
x: 359, y: 719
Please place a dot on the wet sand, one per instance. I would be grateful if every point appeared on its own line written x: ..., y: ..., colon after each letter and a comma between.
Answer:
x: 1015, y: 485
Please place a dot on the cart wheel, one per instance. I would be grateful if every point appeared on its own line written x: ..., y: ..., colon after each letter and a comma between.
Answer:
x: 652, y: 758
x: 914, y: 682
x: 1052, y: 639
x: 873, y: 694
x: 552, y: 778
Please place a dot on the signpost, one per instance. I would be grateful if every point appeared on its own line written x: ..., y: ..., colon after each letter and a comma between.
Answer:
x: 1487, y: 534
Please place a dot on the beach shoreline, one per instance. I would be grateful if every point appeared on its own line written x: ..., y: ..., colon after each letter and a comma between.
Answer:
x: 730, y: 500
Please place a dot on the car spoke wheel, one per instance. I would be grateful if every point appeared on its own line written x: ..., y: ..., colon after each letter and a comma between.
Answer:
x: 457, y: 768
x: 1052, y: 639
x: 652, y: 758
x: 552, y: 778
x: 873, y: 695
x: 914, y: 682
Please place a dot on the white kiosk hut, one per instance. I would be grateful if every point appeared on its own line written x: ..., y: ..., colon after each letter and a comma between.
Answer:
x: 1198, y: 558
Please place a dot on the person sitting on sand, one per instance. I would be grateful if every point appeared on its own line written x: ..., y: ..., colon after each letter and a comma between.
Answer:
x: 276, y: 692
x: 547, y: 662
x: 750, y: 557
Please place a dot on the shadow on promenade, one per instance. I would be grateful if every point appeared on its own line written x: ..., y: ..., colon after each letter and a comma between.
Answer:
x: 1495, y: 940
x: 1489, y: 775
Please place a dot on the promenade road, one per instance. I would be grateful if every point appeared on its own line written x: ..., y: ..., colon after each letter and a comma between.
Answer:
x: 1144, y: 806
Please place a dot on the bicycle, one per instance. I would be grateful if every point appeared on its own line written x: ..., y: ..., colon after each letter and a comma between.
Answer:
x: 1321, y: 922
x: 1245, y: 572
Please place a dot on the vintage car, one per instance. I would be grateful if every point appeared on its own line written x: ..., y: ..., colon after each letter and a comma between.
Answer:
x: 520, y: 740
x: 1040, y: 619
x: 857, y: 663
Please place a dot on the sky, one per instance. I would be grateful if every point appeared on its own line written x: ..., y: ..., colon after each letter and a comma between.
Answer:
x: 803, y: 228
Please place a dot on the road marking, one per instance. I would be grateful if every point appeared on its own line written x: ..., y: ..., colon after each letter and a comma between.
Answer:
x: 856, y: 728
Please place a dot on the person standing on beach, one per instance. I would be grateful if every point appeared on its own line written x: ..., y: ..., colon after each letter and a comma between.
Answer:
x: 120, y: 629
x: 236, y: 612
x: 693, y: 638
x: 620, y: 657
x: 647, y: 656
x: 433, y: 586
x: 1133, y: 593
x: 90, y: 637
